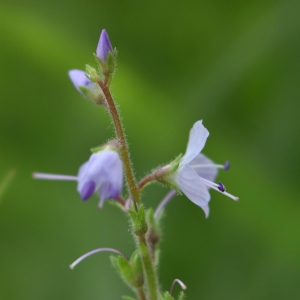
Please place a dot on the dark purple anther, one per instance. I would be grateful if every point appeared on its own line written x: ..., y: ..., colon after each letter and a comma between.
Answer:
x: 221, y: 187
x: 226, y: 165
x: 88, y: 190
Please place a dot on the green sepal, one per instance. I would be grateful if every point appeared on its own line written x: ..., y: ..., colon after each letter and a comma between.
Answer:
x: 97, y: 98
x: 91, y: 77
x: 167, y: 296
x: 127, y: 298
x: 110, y: 63
x: 136, y: 260
x: 91, y: 71
x: 105, y: 147
x: 139, y: 223
x: 181, y: 295
x: 175, y: 163
x: 127, y: 272
x: 160, y: 296
x: 87, y: 92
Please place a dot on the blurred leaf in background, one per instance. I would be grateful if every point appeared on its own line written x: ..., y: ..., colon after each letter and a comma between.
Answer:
x: 234, y: 64
x: 4, y: 184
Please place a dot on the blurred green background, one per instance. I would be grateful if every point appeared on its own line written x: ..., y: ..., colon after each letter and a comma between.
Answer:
x: 234, y: 64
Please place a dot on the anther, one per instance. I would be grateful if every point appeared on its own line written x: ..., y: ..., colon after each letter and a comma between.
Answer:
x: 221, y: 187
x: 226, y: 165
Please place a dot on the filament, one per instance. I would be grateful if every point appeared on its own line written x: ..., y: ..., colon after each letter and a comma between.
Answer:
x: 76, y: 262
x: 183, y: 286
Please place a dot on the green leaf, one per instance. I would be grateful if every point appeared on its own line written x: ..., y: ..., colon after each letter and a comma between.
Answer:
x: 127, y: 272
x: 115, y: 262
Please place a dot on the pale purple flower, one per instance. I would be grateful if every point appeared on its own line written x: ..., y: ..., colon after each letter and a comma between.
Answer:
x: 196, y: 173
x: 102, y: 172
x: 104, y: 46
x: 78, y: 78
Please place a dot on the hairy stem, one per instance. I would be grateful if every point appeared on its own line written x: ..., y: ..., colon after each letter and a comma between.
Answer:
x: 149, y: 269
x: 121, y: 137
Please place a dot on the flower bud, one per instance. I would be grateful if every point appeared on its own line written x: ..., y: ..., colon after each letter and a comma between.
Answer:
x: 86, y: 87
x: 104, y: 47
x: 105, y: 54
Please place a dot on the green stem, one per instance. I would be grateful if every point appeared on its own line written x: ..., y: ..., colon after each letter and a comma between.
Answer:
x: 149, y: 269
x: 121, y: 137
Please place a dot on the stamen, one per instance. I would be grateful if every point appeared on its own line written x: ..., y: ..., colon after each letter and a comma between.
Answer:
x: 164, y: 202
x: 209, y: 182
x: 183, y: 286
x: 96, y: 251
x: 226, y: 165
x: 216, y: 187
x: 53, y: 176
x: 209, y: 166
x: 221, y: 187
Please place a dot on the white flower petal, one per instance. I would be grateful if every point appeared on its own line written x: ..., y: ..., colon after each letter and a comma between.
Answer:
x: 197, y: 140
x: 204, y: 167
x: 206, y: 210
x: 191, y: 185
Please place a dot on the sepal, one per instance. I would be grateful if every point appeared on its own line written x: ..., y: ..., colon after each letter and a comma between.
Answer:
x: 167, y: 296
x: 92, y: 74
x: 98, y: 97
x: 108, y: 146
x: 139, y: 223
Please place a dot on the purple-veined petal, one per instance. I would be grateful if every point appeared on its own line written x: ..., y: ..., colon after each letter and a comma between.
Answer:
x: 88, y: 190
x: 191, y: 185
x: 197, y: 140
x: 106, y: 170
x: 204, y: 167
x: 104, y: 46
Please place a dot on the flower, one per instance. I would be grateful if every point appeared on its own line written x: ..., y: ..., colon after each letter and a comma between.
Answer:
x: 104, y: 47
x: 196, y: 172
x: 79, y: 79
x: 103, y: 172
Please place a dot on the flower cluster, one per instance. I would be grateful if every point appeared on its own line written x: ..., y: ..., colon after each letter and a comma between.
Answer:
x: 192, y: 174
